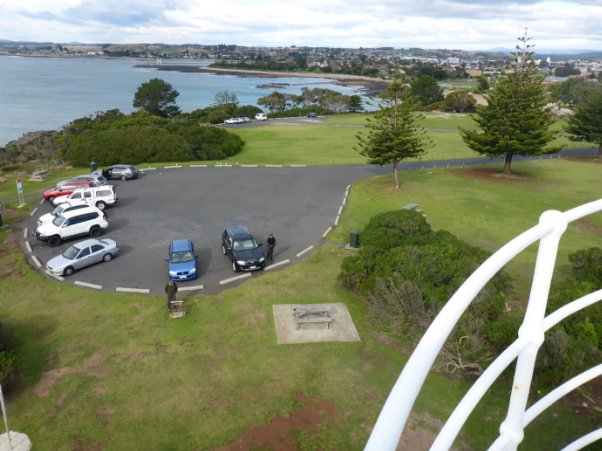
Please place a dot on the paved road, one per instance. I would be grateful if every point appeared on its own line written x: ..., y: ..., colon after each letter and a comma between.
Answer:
x: 297, y: 204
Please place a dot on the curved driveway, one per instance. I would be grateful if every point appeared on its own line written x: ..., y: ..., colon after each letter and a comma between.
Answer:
x: 296, y: 204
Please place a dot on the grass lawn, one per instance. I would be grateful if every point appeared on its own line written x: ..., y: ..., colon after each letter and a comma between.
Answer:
x: 334, y: 142
x: 111, y: 371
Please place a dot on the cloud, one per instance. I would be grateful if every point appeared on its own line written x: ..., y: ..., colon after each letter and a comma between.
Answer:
x: 468, y: 24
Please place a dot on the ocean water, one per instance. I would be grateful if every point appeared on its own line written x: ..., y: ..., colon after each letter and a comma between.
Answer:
x: 47, y: 93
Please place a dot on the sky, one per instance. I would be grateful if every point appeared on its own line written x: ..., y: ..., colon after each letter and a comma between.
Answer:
x: 451, y: 24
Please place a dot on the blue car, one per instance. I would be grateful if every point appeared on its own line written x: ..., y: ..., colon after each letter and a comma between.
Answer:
x: 181, y: 261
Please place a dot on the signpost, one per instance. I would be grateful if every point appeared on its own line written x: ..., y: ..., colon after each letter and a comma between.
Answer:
x: 20, y: 193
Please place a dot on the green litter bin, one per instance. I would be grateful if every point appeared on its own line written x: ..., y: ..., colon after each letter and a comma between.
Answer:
x: 92, y: 166
x: 354, y: 239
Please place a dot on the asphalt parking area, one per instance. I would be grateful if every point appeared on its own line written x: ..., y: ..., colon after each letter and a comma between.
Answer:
x: 297, y: 204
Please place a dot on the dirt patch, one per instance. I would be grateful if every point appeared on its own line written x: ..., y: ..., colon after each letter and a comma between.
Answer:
x: 60, y: 400
x: 49, y: 380
x: 92, y: 366
x: 420, y: 432
x: 278, y: 435
x: 256, y: 318
x: 494, y: 175
x: 590, y: 226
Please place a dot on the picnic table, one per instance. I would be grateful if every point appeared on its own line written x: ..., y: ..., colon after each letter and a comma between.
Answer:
x: 39, y: 175
x: 312, y: 313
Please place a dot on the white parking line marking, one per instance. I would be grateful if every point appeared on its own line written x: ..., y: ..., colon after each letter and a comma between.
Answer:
x: 172, y: 167
x: 42, y: 202
x: 336, y: 221
x: 273, y: 165
x: 87, y: 285
x: 344, y: 200
x: 36, y: 261
x: 28, y: 246
x: 33, y: 212
x: 275, y: 265
x: 198, y: 165
x: 248, y: 165
x: 148, y: 169
x: 193, y: 288
x: 326, y: 232
x: 348, y: 186
x: 222, y: 166
x: 306, y: 250
x: 298, y: 165
x: 340, y: 210
x: 133, y: 290
x: 25, y: 230
x: 233, y: 279
x: 59, y: 278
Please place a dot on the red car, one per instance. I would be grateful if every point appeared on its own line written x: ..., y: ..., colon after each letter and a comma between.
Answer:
x: 66, y: 188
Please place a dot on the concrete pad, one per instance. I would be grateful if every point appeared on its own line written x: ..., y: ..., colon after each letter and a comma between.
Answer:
x: 341, y: 328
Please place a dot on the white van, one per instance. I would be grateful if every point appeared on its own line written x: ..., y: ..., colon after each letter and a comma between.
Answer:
x: 84, y: 221
x: 261, y: 116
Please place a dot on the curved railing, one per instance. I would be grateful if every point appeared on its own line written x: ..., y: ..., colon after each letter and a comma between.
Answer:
x: 392, y: 419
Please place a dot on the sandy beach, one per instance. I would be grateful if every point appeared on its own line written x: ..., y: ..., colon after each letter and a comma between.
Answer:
x: 371, y: 86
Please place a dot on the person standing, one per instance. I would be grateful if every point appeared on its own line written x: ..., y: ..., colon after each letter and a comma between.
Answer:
x: 271, y: 245
x: 171, y: 288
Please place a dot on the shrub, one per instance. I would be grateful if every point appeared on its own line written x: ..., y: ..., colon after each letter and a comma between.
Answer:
x: 406, y: 273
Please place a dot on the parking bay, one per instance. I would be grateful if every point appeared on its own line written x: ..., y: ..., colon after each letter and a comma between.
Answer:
x: 296, y: 204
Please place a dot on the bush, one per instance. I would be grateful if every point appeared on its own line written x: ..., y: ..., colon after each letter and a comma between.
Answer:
x: 406, y: 273
x: 7, y: 358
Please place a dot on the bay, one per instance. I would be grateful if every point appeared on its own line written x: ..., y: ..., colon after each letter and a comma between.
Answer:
x: 47, y: 93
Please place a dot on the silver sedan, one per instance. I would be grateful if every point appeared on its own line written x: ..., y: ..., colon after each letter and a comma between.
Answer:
x: 82, y: 254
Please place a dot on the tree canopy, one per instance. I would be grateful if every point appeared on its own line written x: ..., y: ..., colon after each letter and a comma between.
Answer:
x: 157, y: 97
x: 586, y: 123
x: 393, y: 133
x: 516, y: 120
x: 426, y: 89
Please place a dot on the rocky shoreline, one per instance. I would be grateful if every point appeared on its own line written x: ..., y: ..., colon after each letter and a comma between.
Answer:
x: 369, y: 86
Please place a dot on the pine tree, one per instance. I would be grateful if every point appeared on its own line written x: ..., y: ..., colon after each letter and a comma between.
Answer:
x: 393, y: 133
x: 516, y: 120
x: 586, y: 123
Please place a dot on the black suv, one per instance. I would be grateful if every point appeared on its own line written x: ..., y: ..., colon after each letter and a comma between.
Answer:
x: 243, y: 250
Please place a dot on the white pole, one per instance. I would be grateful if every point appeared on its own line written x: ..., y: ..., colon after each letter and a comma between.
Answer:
x: 10, y: 445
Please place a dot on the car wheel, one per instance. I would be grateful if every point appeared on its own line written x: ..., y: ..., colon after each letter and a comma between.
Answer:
x: 54, y: 240
x: 107, y: 257
x: 101, y: 205
x: 224, y: 249
x: 94, y: 231
x: 68, y: 271
x: 124, y: 177
x: 234, y: 267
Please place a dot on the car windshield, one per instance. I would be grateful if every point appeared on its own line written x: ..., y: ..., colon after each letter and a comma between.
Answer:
x: 71, y: 253
x: 179, y: 257
x: 57, y: 211
x: 244, y: 244
x: 58, y: 220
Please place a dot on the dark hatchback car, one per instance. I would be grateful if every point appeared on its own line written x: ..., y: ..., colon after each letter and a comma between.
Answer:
x: 121, y: 171
x: 243, y: 250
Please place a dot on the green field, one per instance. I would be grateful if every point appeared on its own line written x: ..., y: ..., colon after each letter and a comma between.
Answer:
x: 111, y: 371
x: 334, y: 141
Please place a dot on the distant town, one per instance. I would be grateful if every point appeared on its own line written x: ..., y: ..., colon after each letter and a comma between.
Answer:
x: 381, y: 62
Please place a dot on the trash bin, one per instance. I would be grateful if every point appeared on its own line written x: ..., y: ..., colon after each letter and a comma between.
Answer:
x: 92, y: 166
x: 354, y: 239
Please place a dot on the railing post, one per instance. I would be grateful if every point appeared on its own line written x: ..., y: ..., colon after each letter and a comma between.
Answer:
x: 532, y: 328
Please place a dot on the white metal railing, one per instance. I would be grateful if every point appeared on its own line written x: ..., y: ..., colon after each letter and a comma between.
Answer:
x: 394, y: 414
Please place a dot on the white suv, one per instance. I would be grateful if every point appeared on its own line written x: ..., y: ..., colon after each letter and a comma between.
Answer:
x: 84, y: 221
x: 101, y: 197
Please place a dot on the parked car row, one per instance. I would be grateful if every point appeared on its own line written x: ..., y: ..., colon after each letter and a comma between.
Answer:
x: 79, y: 210
x: 238, y: 244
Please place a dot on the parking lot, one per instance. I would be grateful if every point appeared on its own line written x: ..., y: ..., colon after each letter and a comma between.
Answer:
x: 296, y: 204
